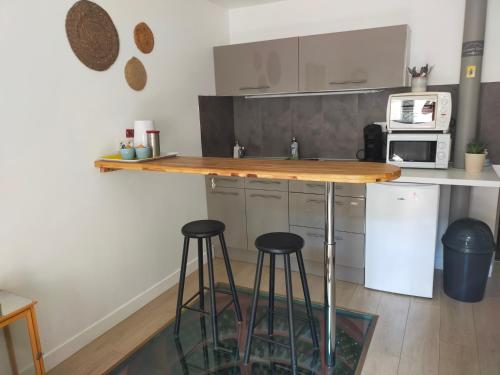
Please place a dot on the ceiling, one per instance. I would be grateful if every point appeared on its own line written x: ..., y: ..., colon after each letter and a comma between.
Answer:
x: 241, y: 3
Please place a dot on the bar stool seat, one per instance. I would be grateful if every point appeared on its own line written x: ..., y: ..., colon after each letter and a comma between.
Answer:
x: 279, y: 243
x: 284, y: 244
x: 205, y: 230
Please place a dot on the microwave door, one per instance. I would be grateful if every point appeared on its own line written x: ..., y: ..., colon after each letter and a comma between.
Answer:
x: 413, y: 114
x: 413, y: 153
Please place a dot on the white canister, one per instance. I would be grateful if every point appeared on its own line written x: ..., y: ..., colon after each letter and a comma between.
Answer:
x: 140, y: 129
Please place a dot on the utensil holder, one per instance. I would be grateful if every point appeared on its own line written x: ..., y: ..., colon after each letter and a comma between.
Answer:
x: 418, y: 84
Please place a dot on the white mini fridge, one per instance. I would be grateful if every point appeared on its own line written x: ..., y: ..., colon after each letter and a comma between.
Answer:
x: 401, y: 229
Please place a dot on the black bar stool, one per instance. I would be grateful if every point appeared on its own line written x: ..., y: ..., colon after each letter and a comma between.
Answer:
x: 205, y: 229
x: 280, y: 243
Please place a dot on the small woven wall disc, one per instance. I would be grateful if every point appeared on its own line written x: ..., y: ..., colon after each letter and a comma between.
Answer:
x: 92, y: 35
x: 144, y: 38
x: 135, y: 74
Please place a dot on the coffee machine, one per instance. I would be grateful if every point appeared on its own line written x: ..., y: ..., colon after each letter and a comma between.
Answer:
x: 374, y: 138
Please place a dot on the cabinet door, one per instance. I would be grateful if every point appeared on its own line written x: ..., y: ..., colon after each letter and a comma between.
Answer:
x: 314, y: 243
x: 267, y: 211
x: 350, y: 249
x: 257, y: 68
x: 266, y: 184
x: 228, y: 205
x: 357, y: 59
x: 307, y: 210
x: 350, y: 190
x: 350, y: 214
x: 221, y: 181
x: 308, y: 187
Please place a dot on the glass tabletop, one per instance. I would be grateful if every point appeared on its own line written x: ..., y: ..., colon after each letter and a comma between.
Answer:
x: 10, y: 302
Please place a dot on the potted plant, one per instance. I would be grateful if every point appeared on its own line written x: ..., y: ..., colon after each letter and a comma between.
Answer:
x: 474, y: 157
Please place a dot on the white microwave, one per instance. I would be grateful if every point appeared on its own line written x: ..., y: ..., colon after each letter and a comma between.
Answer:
x: 424, y: 150
x: 419, y: 111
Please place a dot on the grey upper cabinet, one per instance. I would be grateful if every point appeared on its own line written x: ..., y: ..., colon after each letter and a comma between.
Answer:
x: 357, y: 59
x: 257, y: 68
x: 228, y: 205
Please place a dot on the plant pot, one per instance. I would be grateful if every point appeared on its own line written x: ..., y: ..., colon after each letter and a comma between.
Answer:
x: 474, y: 162
x: 419, y: 84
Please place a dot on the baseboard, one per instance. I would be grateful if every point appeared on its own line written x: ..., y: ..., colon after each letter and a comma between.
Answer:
x: 63, y: 351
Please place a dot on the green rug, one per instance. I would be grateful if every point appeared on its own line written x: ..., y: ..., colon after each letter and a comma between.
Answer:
x: 192, y: 353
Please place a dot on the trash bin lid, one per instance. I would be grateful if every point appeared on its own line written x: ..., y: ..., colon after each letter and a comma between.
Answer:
x: 469, y: 236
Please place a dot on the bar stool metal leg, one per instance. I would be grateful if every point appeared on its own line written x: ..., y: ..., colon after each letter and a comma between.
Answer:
x: 182, y: 277
x: 253, y: 313
x: 211, y: 278
x: 270, y: 308
x: 307, y: 298
x: 229, y: 271
x: 289, y: 297
x: 201, y: 283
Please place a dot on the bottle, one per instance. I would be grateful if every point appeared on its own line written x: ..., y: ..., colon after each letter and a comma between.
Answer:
x: 129, y: 141
x: 487, y: 160
x: 294, y: 149
x: 236, y: 150
x: 241, y: 152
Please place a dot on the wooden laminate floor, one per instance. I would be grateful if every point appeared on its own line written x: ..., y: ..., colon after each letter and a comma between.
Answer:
x: 413, y: 335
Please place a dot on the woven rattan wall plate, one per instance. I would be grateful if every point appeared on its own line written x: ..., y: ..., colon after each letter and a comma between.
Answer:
x: 135, y: 74
x: 144, y: 38
x: 92, y: 35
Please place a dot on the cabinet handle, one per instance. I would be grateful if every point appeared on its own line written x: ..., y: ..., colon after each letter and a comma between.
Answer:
x: 264, y: 182
x: 322, y: 201
x: 339, y: 187
x: 315, y: 185
x: 224, y: 192
x: 227, y: 179
x: 254, y: 88
x: 265, y: 196
x: 347, y: 82
x: 338, y: 238
x: 315, y: 235
x: 338, y: 203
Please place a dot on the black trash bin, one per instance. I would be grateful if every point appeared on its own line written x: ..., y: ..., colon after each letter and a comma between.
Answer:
x: 468, y: 249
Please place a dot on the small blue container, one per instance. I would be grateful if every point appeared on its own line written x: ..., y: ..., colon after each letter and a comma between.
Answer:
x: 143, y: 152
x: 127, y: 153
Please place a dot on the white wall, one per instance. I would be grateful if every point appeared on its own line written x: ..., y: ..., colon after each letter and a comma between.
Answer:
x: 91, y: 247
x: 436, y: 26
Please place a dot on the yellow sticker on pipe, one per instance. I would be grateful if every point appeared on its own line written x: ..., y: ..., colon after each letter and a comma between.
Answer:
x: 471, y: 71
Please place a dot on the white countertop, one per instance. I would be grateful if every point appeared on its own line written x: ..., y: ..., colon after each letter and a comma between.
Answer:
x: 451, y: 176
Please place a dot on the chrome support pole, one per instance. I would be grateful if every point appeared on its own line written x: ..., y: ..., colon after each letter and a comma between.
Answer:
x: 329, y: 276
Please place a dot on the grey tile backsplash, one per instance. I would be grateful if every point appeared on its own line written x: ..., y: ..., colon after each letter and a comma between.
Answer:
x: 329, y: 126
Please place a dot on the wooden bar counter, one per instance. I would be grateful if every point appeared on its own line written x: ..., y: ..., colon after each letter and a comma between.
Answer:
x: 329, y: 172
x: 305, y: 170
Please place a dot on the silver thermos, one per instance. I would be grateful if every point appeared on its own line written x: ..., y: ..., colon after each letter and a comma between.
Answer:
x: 154, y: 142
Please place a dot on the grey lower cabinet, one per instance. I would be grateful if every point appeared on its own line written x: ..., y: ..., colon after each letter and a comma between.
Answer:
x: 350, y: 214
x: 257, y: 68
x: 228, y: 205
x: 251, y: 207
x: 369, y: 58
x: 266, y: 211
x: 307, y: 219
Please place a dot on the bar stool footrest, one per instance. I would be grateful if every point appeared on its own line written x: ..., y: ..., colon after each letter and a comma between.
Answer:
x: 185, y: 305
